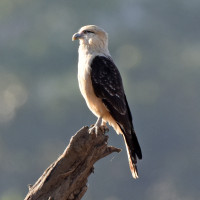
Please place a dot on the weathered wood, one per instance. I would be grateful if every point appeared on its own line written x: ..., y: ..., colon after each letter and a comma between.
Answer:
x: 66, y: 178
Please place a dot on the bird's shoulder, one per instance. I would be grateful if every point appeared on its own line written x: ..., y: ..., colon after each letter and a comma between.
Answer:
x: 102, y: 61
x: 104, y: 71
x: 107, y: 83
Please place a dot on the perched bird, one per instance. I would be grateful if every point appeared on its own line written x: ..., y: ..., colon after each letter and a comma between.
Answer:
x: 101, y: 85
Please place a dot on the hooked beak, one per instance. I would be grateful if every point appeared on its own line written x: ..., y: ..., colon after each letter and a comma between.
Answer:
x: 77, y: 36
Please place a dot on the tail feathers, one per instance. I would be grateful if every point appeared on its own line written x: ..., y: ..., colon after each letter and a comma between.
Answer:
x: 135, y: 145
x: 134, y: 171
x: 133, y: 152
x: 132, y: 159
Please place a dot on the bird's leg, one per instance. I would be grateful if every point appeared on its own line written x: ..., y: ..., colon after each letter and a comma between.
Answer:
x: 96, y: 126
x: 104, y: 126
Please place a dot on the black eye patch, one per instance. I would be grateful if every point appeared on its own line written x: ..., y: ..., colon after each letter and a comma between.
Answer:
x: 87, y: 31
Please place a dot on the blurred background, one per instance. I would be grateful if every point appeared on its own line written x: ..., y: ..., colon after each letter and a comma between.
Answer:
x: 156, y: 46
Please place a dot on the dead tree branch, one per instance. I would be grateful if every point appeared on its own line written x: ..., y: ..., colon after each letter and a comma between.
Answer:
x: 66, y: 178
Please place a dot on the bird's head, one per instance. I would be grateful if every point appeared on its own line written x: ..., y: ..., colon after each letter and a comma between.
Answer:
x: 92, y: 37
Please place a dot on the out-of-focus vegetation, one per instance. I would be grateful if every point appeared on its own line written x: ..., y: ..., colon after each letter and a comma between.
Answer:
x: 156, y: 46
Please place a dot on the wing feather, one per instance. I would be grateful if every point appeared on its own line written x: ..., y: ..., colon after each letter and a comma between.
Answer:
x: 107, y: 84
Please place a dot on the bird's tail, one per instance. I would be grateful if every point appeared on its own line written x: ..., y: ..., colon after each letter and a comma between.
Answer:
x: 133, y: 152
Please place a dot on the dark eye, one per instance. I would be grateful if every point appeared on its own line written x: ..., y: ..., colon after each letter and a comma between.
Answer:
x: 87, y: 31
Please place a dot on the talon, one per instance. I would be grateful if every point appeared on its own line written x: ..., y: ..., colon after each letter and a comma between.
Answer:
x: 92, y: 125
x: 92, y: 130
x: 104, y: 127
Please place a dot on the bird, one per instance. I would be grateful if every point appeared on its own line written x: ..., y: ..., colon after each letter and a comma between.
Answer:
x: 101, y: 85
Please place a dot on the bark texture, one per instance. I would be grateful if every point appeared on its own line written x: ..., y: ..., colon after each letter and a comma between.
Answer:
x: 66, y: 178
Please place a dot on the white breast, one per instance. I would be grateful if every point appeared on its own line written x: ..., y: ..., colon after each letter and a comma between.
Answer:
x: 94, y: 103
x: 85, y: 84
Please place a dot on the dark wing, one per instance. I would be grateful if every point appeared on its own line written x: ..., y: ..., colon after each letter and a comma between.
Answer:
x: 107, y: 84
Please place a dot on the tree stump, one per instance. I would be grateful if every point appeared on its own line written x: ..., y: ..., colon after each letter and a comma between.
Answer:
x: 66, y: 178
